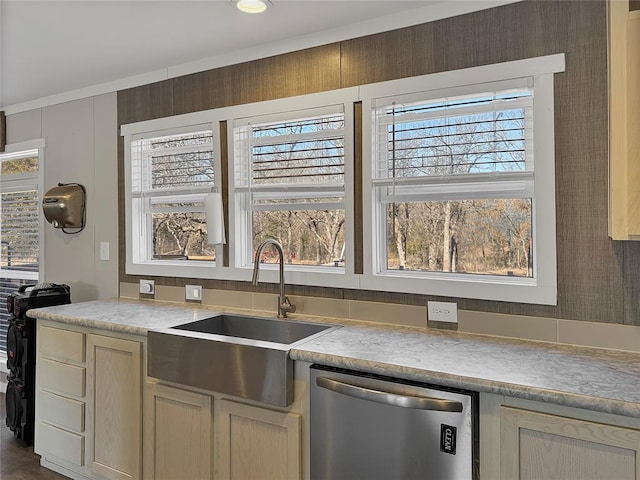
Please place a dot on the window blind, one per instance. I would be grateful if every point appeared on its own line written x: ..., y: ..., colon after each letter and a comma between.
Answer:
x: 479, y: 134
x: 307, y: 151
x: 292, y: 164
x: 467, y: 147
x: 173, y: 164
x: 19, y: 230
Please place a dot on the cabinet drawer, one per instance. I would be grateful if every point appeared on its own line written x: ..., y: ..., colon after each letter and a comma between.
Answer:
x: 65, y: 445
x: 61, y: 411
x: 62, y: 344
x: 60, y: 377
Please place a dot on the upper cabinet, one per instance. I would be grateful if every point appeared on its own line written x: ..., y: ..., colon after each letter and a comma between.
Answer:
x: 624, y: 120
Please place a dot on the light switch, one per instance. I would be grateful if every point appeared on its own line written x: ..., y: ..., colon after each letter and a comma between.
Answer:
x: 193, y: 292
x: 104, y: 250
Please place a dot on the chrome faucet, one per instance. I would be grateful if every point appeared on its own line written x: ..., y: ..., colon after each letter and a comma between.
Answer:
x: 284, y: 305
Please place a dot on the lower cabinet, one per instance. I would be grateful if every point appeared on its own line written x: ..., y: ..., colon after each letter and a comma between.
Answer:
x: 256, y: 442
x: 529, y: 440
x: 178, y: 434
x: 114, y: 414
x: 88, y: 403
x: 195, y: 436
x: 537, y: 445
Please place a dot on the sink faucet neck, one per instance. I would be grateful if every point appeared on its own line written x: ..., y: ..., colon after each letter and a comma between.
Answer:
x: 284, y: 305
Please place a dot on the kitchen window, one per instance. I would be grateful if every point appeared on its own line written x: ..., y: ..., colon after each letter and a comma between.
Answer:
x: 292, y: 181
x: 169, y: 173
x: 461, y: 185
x: 19, y: 225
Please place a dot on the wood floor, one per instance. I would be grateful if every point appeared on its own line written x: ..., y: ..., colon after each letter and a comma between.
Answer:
x: 16, y: 462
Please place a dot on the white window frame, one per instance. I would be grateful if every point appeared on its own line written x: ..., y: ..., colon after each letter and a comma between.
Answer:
x: 279, y: 110
x: 542, y: 288
x: 137, y: 260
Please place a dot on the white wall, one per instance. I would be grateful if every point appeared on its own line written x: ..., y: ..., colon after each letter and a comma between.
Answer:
x: 80, y: 146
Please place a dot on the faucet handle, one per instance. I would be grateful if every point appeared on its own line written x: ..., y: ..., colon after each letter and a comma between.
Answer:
x: 286, y: 307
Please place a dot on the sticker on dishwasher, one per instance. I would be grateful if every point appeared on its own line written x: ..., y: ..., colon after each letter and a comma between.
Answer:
x: 448, y: 439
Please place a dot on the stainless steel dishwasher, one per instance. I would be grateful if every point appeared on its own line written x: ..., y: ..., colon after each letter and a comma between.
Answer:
x: 367, y: 426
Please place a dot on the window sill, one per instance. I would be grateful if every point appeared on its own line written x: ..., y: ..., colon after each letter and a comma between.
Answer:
x: 511, y: 289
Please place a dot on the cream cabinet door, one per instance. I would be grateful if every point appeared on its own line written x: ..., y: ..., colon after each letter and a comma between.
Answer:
x: 537, y: 446
x: 256, y: 442
x: 624, y: 120
x: 114, y: 376
x: 178, y: 434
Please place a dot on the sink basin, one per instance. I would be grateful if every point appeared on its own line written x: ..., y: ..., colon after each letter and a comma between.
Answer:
x: 239, y: 355
x: 254, y: 328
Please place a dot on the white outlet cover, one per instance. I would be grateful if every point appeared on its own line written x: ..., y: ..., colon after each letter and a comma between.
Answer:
x: 147, y: 287
x: 442, y: 312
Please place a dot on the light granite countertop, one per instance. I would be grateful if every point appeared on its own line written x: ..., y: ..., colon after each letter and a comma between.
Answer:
x: 134, y: 317
x: 595, y: 379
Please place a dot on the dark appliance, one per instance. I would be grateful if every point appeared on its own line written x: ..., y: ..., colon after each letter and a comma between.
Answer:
x: 21, y: 354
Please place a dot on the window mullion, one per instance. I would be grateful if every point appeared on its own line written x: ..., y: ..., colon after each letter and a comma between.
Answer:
x: 275, y: 207
x: 297, y: 137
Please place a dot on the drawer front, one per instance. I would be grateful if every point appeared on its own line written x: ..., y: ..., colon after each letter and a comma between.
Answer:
x: 65, y: 445
x: 61, y: 411
x: 61, y: 344
x: 60, y: 377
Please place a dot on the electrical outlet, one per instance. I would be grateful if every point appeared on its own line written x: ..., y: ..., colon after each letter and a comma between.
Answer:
x: 147, y: 287
x: 443, y: 312
x: 193, y: 292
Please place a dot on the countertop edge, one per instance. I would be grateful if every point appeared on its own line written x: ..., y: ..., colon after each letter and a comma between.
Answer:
x: 604, y: 405
x: 99, y: 325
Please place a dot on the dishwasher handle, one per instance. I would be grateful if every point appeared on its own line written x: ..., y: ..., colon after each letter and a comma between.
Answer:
x: 389, y: 398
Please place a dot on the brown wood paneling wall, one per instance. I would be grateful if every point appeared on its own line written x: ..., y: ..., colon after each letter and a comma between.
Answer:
x: 145, y: 102
x: 495, y: 35
x: 598, y: 279
x: 296, y: 73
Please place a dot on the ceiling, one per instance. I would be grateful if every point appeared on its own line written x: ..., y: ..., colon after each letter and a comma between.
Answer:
x: 50, y: 47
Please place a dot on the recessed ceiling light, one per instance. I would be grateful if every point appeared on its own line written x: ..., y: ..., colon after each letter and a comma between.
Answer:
x: 252, y: 6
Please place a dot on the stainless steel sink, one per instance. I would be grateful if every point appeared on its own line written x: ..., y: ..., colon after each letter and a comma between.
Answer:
x: 234, y: 354
x: 254, y: 328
